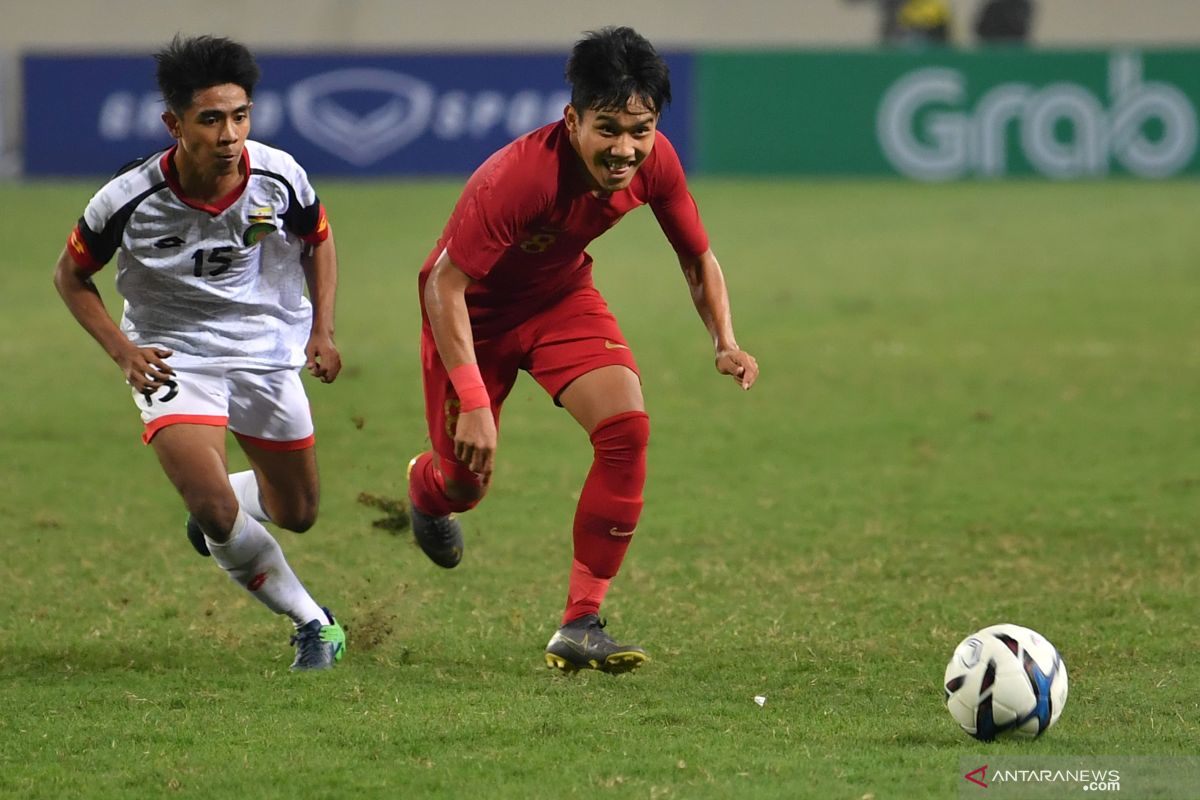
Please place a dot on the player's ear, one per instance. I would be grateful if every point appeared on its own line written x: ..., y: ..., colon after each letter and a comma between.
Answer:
x: 172, y: 122
x: 571, y: 118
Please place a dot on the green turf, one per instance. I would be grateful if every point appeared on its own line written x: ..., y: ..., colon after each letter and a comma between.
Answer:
x: 978, y: 404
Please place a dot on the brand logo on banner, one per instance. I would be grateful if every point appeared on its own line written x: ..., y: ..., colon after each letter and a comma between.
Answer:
x: 929, y: 131
x: 362, y: 138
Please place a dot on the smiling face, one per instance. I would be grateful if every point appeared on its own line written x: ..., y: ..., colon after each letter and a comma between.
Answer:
x: 612, y: 143
x: 211, y: 132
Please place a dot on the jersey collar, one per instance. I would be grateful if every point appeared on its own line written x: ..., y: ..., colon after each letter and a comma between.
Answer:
x: 167, y: 165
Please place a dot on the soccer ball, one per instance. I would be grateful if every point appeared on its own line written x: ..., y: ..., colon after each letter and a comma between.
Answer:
x: 1005, y: 679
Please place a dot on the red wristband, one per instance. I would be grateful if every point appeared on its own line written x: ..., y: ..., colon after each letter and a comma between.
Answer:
x: 468, y: 385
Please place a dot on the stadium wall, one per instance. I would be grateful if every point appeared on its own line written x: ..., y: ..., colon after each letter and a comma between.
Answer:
x: 484, y: 24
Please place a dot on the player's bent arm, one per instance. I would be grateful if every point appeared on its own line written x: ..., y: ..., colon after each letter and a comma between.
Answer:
x: 446, y: 307
x: 321, y: 274
x: 706, y: 283
x: 82, y: 298
x: 144, y: 367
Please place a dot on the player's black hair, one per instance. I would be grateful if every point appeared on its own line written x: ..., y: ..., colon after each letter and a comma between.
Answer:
x: 189, y: 64
x: 611, y: 65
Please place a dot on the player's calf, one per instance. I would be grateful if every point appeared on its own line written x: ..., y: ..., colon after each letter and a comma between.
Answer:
x: 297, y: 517
x: 608, y: 511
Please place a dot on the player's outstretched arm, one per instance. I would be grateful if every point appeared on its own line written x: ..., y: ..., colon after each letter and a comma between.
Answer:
x: 144, y: 367
x: 446, y: 306
x: 320, y: 273
x: 707, y: 285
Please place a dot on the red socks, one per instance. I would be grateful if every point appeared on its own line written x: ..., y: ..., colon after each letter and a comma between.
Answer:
x: 427, y: 488
x: 605, y: 519
x: 608, y: 510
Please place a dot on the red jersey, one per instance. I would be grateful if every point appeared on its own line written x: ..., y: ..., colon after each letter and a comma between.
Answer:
x: 520, y: 227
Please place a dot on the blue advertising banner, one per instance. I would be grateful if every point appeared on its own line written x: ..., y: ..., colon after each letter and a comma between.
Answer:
x: 354, y: 115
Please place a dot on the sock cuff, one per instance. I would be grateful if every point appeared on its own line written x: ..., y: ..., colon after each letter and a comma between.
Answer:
x: 583, y: 568
x: 242, y: 546
x: 603, y: 427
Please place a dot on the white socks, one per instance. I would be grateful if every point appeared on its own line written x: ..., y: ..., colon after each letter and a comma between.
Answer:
x: 245, y: 489
x: 254, y: 560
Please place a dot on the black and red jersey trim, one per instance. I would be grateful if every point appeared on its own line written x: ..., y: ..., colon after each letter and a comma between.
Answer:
x: 98, y: 247
x: 307, y: 222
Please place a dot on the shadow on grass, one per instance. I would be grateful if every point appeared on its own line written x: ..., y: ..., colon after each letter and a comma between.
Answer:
x: 54, y: 663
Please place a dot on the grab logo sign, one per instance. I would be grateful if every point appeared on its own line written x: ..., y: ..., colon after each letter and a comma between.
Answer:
x: 1063, y: 130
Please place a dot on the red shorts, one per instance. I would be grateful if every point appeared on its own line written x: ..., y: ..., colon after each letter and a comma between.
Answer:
x: 557, y: 345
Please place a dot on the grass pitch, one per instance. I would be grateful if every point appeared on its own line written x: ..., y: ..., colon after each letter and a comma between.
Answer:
x: 978, y: 404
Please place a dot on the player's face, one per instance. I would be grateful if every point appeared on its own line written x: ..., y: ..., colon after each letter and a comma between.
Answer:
x: 613, y: 143
x: 212, y: 132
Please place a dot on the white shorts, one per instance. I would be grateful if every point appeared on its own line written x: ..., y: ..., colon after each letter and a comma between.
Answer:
x: 266, y: 407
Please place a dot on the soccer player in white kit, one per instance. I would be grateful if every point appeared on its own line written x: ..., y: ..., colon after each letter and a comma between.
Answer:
x: 215, y: 239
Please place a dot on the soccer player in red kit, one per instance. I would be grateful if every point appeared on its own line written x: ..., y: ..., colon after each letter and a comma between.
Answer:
x: 508, y: 287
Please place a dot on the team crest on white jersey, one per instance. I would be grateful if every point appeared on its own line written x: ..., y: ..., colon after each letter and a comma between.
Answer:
x: 262, y: 224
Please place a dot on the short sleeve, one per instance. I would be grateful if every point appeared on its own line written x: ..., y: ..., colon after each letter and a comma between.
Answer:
x: 97, y: 235
x: 493, y: 210
x: 673, y: 204
x: 305, y: 215
x: 80, y: 251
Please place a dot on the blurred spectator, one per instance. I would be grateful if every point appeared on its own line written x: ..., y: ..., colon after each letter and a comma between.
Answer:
x: 1004, y: 21
x: 914, y: 22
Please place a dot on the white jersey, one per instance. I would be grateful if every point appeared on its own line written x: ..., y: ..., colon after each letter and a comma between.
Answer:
x: 219, y: 284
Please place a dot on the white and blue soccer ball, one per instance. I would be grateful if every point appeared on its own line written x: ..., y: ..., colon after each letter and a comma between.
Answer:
x: 1005, y: 680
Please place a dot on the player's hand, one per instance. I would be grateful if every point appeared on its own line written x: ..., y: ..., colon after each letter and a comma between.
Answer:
x: 740, y: 364
x: 475, y: 441
x: 145, y: 368
x: 322, y: 356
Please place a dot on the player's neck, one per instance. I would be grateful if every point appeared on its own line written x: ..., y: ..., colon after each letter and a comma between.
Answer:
x: 206, y: 187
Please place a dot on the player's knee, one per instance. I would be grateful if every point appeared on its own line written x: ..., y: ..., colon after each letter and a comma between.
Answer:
x: 621, y: 440
x: 297, y: 522
x: 298, y: 516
